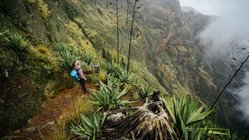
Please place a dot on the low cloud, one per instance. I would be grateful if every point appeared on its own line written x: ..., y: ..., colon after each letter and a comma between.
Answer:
x: 228, y: 30
x: 226, y: 34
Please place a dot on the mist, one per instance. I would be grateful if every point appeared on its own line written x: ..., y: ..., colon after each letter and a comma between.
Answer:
x: 243, y: 96
x: 229, y: 29
x: 226, y: 34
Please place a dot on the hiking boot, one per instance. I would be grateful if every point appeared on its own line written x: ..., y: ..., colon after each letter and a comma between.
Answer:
x: 86, y: 91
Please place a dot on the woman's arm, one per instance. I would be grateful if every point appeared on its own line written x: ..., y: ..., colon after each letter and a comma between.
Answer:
x: 81, y: 74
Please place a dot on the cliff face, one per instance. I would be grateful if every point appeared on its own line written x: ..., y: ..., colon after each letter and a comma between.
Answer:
x: 164, y: 49
x: 178, y: 63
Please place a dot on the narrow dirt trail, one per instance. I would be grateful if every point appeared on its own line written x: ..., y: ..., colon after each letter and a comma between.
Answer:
x: 53, y: 110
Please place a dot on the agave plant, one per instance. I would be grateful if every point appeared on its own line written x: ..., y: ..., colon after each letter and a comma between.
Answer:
x: 109, y: 67
x: 109, y: 97
x: 124, y: 76
x: 112, y: 81
x: 89, y: 127
x: 47, y: 69
x: 67, y: 55
x: 196, y: 132
x: 88, y: 59
x: 146, y: 92
x: 3, y: 34
x: 62, y: 47
x: 18, y: 44
x: 185, y: 113
x: 148, y: 122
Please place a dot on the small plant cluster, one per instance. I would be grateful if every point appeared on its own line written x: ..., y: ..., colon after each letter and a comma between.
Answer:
x: 3, y: 35
x: 89, y: 127
x: 109, y: 95
x: 15, y: 42
x: 67, y: 55
x: 190, y: 120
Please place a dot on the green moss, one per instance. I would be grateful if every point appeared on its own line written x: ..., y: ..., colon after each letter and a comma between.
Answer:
x: 43, y: 7
x: 147, y: 76
x: 22, y: 86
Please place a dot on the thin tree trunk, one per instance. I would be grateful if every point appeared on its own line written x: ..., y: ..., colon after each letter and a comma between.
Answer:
x: 229, y: 81
x: 132, y: 24
x: 117, y: 31
x: 127, y: 28
x: 106, y: 3
x: 127, y: 22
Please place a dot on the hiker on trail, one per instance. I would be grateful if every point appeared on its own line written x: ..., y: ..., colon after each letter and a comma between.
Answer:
x: 81, y: 76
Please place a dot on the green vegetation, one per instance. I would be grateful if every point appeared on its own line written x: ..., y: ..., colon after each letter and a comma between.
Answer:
x: 162, y: 56
x: 187, y: 115
x: 22, y: 81
x: 186, y: 112
x: 124, y: 76
x: 88, y: 59
x: 18, y: 44
x: 109, y: 96
x: 146, y: 93
x: 89, y: 127
x: 189, y: 118
x: 67, y: 55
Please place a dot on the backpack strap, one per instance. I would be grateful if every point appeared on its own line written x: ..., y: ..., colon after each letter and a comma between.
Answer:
x: 78, y: 72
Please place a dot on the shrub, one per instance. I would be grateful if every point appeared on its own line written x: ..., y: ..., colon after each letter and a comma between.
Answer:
x: 146, y: 92
x: 102, y: 75
x: 3, y: 35
x: 185, y: 113
x: 124, y: 76
x: 108, y: 96
x: 18, y: 45
x: 43, y: 49
x: 67, y: 55
x: 88, y: 59
x: 89, y: 127
x: 108, y: 66
x: 47, y: 69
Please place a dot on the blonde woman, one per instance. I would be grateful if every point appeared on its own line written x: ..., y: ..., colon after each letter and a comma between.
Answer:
x: 81, y: 75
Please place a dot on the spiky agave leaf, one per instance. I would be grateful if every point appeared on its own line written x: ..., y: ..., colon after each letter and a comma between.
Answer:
x: 109, y: 97
x: 149, y: 122
x: 146, y: 92
x: 186, y: 112
x: 89, y: 127
x: 17, y: 42
x: 67, y: 55
x: 124, y: 76
x: 3, y: 34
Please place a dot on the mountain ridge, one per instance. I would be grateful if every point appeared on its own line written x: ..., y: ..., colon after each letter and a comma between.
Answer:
x: 165, y: 50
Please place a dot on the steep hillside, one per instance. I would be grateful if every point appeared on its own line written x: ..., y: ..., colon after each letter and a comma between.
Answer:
x: 164, y: 49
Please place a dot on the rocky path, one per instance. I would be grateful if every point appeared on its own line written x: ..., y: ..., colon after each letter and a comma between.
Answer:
x: 53, y: 110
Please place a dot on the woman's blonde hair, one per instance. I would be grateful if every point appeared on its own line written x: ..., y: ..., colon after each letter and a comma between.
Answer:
x: 77, y: 64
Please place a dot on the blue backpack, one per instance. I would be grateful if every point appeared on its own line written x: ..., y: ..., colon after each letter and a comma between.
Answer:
x: 74, y: 74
